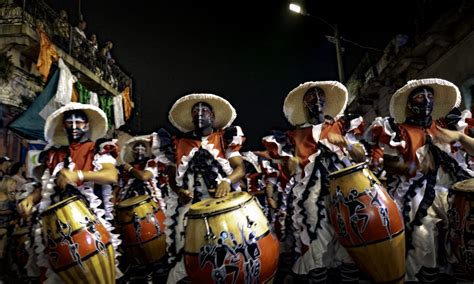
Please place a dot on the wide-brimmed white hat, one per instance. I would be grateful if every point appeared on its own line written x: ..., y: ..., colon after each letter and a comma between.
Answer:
x: 446, y: 97
x: 180, y: 113
x: 54, y: 132
x: 336, y: 101
x: 126, y: 153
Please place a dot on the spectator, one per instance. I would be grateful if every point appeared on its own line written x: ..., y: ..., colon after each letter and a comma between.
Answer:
x: 7, y: 215
x: 17, y: 172
x: 79, y: 40
x: 105, y: 51
x: 61, y: 29
x: 93, y: 42
x: 5, y: 164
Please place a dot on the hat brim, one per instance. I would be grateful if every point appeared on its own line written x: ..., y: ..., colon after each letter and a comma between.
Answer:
x: 446, y: 97
x: 180, y: 113
x: 126, y: 153
x: 54, y: 132
x: 336, y: 101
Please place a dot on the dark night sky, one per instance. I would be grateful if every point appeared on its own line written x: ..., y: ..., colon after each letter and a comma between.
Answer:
x: 250, y: 52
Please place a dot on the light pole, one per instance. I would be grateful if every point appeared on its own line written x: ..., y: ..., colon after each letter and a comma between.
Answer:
x: 340, y: 67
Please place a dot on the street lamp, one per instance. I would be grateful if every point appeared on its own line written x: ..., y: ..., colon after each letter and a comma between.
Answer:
x: 340, y: 68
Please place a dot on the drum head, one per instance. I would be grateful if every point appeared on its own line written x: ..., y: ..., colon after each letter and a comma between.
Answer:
x: 348, y: 170
x: 465, y: 185
x: 60, y: 204
x: 212, y: 206
x: 133, y: 201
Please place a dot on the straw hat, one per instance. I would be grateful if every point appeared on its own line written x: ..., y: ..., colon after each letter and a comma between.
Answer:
x: 336, y: 100
x: 54, y: 132
x: 446, y: 97
x: 180, y: 113
x: 126, y: 153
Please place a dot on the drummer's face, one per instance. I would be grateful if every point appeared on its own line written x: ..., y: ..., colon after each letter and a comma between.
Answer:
x: 203, y: 116
x: 139, y: 151
x: 314, y: 101
x: 421, y: 101
x: 76, y: 125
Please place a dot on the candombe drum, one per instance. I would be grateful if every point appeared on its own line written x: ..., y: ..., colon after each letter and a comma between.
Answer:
x: 228, y: 240
x: 18, y: 246
x: 78, y: 245
x: 142, y: 230
x: 368, y: 223
x: 461, y: 224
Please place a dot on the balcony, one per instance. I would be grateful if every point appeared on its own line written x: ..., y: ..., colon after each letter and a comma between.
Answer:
x: 18, y: 19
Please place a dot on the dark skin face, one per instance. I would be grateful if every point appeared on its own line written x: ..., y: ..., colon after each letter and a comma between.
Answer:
x: 76, y: 125
x: 420, y: 102
x: 139, y: 151
x: 203, y: 118
x: 314, y: 101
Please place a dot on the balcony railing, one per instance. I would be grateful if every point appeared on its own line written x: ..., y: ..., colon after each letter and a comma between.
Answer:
x: 66, y: 37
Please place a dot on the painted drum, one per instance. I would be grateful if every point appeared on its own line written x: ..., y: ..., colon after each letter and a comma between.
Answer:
x: 18, y: 246
x: 78, y: 245
x: 368, y: 223
x: 461, y: 224
x: 142, y: 230
x: 228, y: 240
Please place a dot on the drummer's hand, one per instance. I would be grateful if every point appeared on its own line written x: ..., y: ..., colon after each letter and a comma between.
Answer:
x: 337, y: 139
x: 446, y: 136
x: 223, y: 188
x: 184, y: 195
x: 292, y: 165
x: 272, y: 202
x: 25, y: 207
x: 66, y: 177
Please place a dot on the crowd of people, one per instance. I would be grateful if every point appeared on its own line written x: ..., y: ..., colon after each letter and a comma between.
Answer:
x: 85, y: 48
x: 420, y: 151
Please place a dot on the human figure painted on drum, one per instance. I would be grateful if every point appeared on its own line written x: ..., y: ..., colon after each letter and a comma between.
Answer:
x: 217, y: 255
x: 421, y: 168
x: 323, y: 141
x: 91, y: 228
x: 206, y: 161
x: 140, y: 171
x: 79, y: 162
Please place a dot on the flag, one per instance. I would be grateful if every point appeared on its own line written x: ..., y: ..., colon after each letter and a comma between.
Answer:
x: 46, y: 55
x: 31, y: 122
x: 127, y: 103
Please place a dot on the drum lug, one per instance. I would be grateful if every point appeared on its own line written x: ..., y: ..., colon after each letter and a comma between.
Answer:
x: 209, y: 234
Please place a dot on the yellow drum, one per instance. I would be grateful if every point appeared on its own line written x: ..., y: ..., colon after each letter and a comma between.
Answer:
x: 141, y: 226
x: 461, y: 224
x: 79, y: 246
x: 228, y: 240
x: 368, y: 223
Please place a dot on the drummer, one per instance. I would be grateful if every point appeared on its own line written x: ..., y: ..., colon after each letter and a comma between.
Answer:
x: 139, y: 171
x: 420, y: 170
x: 321, y: 138
x: 206, y: 159
x: 74, y: 166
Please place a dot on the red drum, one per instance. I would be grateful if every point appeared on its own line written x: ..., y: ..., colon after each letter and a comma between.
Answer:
x: 141, y: 225
x: 228, y: 240
x: 368, y: 223
x: 461, y: 224
x: 79, y: 246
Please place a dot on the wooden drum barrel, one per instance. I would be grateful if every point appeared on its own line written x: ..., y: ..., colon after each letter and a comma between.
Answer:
x: 228, y: 240
x: 79, y: 246
x: 461, y: 224
x: 142, y: 230
x: 368, y: 223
